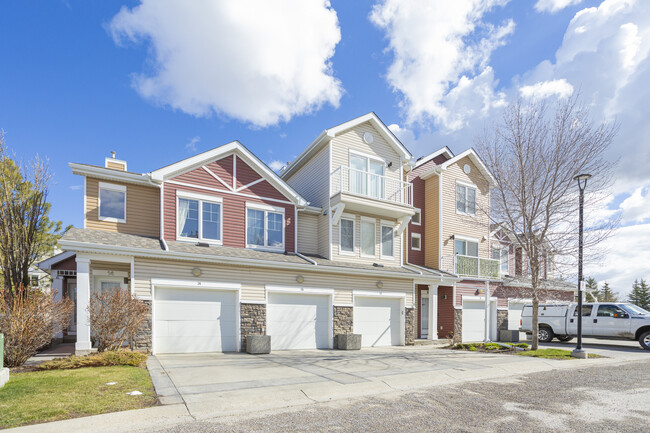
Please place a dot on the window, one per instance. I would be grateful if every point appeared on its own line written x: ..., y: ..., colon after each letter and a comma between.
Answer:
x: 366, y: 176
x: 416, y: 240
x: 586, y: 311
x: 199, y: 218
x: 112, y: 202
x: 387, y: 240
x: 33, y: 280
x: 368, y: 237
x: 264, y: 227
x: 501, y: 254
x: 610, y: 311
x: 417, y: 218
x: 465, y: 199
x: 346, y: 236
x: 465, y: 247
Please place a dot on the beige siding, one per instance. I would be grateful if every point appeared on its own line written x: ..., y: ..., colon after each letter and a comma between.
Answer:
x: 357, y: 258
x: 106, y: 266
x: 307, y: 233
x: 458, y: 224
x: 312, y: 179
x: 254, y: 280
x: 353, y: 140
x: 323, y: 236
x: 431, y: 242
x: 115, y: 165
x: 142, y: 209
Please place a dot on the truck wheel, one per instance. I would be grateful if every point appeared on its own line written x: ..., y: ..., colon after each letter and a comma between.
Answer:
x: 644, y: 340
x: 564, y: 338
x: 545, y: 334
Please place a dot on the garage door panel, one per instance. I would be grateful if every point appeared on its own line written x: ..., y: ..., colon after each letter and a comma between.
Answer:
x: 194, y: 344
x: 205, y: 311
x: 378, y: 321
x: 298, y: 321
x: 198, y: 328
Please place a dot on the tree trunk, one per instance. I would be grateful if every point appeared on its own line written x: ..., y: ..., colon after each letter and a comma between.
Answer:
x: 534, y: 340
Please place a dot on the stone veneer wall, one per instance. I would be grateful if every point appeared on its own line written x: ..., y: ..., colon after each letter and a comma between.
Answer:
x: 409, y: 330
x: 502, y: 321
x: 343, y: 321
x: 458, y: 325
x: 253, y: 321
x: 142, y: 339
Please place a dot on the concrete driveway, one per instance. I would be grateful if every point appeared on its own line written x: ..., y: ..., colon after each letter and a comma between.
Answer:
x: 229, y: 383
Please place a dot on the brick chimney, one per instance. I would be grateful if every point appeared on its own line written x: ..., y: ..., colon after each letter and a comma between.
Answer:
x: 115, y: 164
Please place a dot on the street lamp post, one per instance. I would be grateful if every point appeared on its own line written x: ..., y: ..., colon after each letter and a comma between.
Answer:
x: 582, y: 179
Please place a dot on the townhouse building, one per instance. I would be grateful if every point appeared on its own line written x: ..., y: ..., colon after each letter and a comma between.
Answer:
x: 353, y: 236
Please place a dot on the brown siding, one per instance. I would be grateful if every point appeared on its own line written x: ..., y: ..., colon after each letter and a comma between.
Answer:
x: 69, y: 264
x: 142, y: 209
x: 115, y: 165
x: 445, y: 311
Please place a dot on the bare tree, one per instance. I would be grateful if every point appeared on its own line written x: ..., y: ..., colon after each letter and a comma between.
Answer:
x: 26, y: 232
x: 116, y: 316
x: 534, y: 152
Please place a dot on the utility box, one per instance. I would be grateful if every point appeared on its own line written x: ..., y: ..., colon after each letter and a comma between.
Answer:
x: 258, y: 344
x: 4, y: 372
x: 348, y: 341
x: 509, y: 336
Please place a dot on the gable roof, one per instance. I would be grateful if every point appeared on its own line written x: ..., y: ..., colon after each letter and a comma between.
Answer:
x: 234, y: 147
x: 444, y: 151
x: 473, y: 156
x: 46, y: 265
x: 328, y: 134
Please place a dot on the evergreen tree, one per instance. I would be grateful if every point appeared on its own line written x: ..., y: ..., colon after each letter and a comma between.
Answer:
x: 640, y: 294
x: 606, y: 294
x: 592, y: 292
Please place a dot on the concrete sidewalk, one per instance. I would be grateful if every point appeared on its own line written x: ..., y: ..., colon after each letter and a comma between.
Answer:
x: 207, y: 386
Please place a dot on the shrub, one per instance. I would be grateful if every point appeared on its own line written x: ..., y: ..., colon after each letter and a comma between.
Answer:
x: 104, y: 359
x: 472, y: 349
x: 522, y: 345
x: 29, y: 319
x: 115, y: 317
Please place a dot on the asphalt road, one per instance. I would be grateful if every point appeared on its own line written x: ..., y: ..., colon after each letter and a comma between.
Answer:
x: 595, y: 399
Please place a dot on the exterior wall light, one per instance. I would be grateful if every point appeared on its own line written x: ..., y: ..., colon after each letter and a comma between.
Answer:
x: 379, y: 284
x: 196, y: 272
x: 300, y: 279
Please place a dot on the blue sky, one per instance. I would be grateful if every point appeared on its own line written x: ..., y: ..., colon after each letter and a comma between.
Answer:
x: 82, y: 78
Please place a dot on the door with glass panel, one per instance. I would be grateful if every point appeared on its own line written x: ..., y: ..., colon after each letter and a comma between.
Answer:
x: 71, y: 290
x: 466, y: 257
x: 366, y: 176
x: 424, y: 314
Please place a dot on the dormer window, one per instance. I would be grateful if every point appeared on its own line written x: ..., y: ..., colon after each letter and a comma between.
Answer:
x: 112, y: 202
x: 199, y: 217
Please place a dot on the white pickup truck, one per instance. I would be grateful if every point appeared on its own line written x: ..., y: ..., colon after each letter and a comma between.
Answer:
x: 611, y: 320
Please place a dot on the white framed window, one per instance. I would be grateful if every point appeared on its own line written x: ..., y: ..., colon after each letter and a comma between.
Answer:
x: 199, y: 217
x: 501, y: 254
x: 465, y: 247
x: 368, y: 237
x: 387, y: 240
x: 367, y: 175
x: 347, y: 232
x: 417, y: 218
x: 465, y: 198
x: 416, y: 241
x: 112, y: 202
x: 264, y: 227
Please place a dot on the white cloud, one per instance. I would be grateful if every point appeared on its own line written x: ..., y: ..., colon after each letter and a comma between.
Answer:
x: 190, y: 146
x: 553, y: 6
x: 545, y: 89
x: 405, y: 135
x: 440, y: 57
x: 636, y: 207
x: 276, y: 165
x: 217, y: 57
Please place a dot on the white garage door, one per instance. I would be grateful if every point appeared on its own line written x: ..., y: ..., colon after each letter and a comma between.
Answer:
x: 473, y: 321
x: 514, y: 317
x: 195, y: 320
x: 298, y: 321
x: 378, y: 321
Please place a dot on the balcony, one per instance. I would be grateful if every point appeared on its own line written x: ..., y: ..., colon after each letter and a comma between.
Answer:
x: 471, y: 267
x: 371, y: 193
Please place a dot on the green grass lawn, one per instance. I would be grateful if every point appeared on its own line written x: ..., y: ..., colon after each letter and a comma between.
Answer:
x: 43, y: 396
x: 553, y: 354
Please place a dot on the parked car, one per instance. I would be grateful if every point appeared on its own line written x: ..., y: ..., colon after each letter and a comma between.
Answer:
x: 611, y: 320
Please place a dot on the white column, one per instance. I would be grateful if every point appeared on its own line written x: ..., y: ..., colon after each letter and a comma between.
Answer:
x: 57, y: 289
x: 433, y: 313
x: 487, y: 311
x: 83, y: 300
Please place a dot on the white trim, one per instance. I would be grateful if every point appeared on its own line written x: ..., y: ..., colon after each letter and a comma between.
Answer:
x: 415, y: 236
x: 197, y: 284
x: 430, y: 156
x: 366, y: 155
x: 256, y: 302
x: 295, y: 229
x: 352, y: 218
x: 418, y: 211
x: 162, y: 216
x: 224, y: 191
x: 467, y: 184
x: 473, y: 156
x: 391, y: 225
x: 85, y: 198
x: 216, y: 177
x: 200, y: 199
x: 344, y: 305
x: 261, y: 179
x: 378, y: 294
x: 298, y: 289
x: 440, y: 221
x: 466, y: 238
x: 265, y: 209
x: 113, y: 175
x: 109, y: 187
x: 132, y: 276
x: 365, y: 219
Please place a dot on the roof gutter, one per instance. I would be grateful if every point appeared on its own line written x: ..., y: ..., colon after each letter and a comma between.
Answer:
x: 87, y: 170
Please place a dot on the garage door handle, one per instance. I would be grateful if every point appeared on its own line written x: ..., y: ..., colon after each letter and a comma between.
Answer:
x: 595, y: 320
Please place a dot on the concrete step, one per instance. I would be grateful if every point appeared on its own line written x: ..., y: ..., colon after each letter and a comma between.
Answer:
x: 437, y: 343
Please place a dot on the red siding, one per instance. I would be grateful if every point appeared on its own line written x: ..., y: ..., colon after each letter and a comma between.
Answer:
x: 445, y: 311
x: 234, y: 206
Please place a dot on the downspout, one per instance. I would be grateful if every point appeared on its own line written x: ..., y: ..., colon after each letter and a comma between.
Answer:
x: 313, y: 262
x: 162, y: 219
